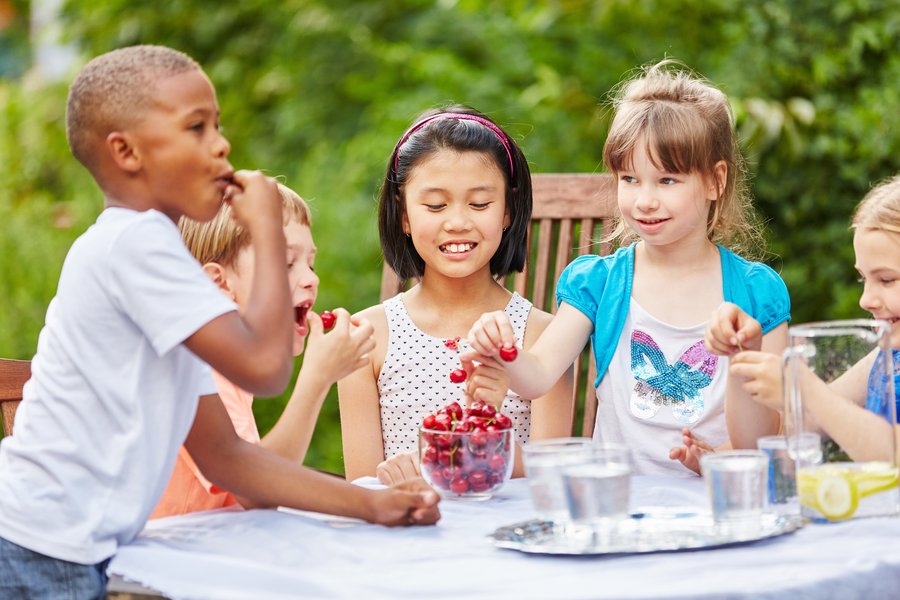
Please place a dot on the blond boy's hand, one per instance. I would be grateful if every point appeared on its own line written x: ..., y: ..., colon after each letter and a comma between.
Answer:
x: 255, y: 201
x: 761, y: 375
x: 487, y: 381
x: 344, y: 349
x: 491, y: 332
x: 731, y: 330
x: 412, y: 502
x: 399, y: 468
x: 691, y: 450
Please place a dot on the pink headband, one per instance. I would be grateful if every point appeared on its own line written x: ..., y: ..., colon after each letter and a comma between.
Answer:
x: 462, y: 117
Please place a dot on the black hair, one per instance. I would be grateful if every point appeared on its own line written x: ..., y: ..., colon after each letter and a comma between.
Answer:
x: 463, y: 136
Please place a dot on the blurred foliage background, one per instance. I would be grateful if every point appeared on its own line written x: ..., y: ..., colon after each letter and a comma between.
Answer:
x: 318, y: 91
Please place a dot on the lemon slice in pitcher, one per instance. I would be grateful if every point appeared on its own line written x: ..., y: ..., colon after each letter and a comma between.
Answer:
x: 875, y: 477
x: 836, y: 497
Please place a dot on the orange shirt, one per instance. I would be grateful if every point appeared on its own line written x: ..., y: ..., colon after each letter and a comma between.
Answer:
x: 188, y: 490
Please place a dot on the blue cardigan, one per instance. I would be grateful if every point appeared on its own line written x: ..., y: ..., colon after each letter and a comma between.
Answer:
x: 600, y: 287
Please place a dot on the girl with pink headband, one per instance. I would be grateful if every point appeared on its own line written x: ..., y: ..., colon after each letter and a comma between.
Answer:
x: 453, y: 214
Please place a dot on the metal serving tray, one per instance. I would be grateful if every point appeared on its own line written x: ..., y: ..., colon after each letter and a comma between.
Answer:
x: 654, y: 529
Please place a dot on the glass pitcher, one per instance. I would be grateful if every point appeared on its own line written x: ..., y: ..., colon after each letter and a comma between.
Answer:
x: 846, y: 472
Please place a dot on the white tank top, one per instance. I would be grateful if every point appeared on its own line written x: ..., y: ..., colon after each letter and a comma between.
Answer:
x: 415, y: 378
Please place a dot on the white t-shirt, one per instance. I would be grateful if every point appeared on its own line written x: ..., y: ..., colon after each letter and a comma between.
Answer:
x: 660, y: 380
x: 113, y: 391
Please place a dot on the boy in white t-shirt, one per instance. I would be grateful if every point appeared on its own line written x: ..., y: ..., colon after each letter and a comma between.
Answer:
x: 120, y: 370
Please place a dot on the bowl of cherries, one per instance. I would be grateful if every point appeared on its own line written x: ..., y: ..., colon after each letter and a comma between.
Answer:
x: 466, y: 453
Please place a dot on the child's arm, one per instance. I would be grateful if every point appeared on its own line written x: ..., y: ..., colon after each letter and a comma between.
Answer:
x: 360, y: 408
x: 537, y: 369
x: 264, y: 479
x: 253, y: 349
x: 752, y: 402
x: 328, y: 357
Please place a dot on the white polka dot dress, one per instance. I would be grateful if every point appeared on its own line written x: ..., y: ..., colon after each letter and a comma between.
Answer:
x: 414, y: 379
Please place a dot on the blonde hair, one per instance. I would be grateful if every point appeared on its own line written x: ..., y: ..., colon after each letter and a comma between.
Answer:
x: 880, y: 208
x: 688, y: 127
x: 221, y: 239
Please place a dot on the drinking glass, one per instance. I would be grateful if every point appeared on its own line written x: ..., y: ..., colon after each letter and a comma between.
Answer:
x: 544, y: 462
x: 598, y: 488
x: 737, y: 486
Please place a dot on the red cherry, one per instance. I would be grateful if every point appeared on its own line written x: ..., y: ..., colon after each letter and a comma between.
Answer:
x: 428, y: 422
x: 458, y: 375
x: 509, y: 354
x: 328, y: 320
x: 459, y: 486
x: 430, y: 456
x: 502, y: 421
x: 496, y: 462
x: 454, y: 409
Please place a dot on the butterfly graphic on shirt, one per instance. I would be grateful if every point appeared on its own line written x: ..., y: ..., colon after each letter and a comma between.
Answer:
x: 679, y: 385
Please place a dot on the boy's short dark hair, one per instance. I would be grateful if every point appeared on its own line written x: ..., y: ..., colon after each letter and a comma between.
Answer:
x: 112, y: 90
x: 463, y: 136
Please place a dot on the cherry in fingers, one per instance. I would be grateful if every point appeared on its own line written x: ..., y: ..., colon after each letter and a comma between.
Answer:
x: 509, y: 354
x: 328, y: 320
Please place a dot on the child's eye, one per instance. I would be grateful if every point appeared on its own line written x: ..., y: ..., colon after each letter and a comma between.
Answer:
x: 668, y: 181
x: 480, y: 205
x: 628, y: 179
x: 887, y: 281
x: 199, y: 127
x: 435, y: 207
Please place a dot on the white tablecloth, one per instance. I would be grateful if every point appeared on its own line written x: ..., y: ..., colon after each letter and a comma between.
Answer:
x: 264, y: 554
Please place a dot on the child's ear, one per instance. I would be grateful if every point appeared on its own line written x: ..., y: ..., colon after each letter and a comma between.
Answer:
x: 404, y: 223
x: 720, y: 177
x: 217, y: 273
x: 123, y: 152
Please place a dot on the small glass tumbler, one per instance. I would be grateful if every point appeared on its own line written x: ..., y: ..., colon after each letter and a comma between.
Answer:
x: 737, y: 483
x: 598, y: 490
x: 544, y: 461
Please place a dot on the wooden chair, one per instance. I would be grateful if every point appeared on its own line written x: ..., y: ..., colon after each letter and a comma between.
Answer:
x: 571, y: 212
x: 13, y: 375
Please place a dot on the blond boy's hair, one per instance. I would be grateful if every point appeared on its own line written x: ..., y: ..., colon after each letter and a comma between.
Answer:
x: 688, y: 127
x: 113, y: 90
x: 880, y: 208
x: 221, y: 239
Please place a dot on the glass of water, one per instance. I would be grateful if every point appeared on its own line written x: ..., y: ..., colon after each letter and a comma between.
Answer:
x: 598, y: 489
x: 544, y: 462
x: 737, y: 483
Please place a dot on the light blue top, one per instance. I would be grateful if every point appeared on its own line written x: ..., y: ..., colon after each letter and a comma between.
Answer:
x: 600, y: 287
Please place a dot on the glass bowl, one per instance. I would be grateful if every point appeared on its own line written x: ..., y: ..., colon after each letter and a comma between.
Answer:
x: 471, y: 465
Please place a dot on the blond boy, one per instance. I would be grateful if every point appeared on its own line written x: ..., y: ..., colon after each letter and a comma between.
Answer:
x: 223, y: 248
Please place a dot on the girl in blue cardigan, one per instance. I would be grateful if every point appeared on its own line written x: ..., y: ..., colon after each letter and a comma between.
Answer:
x: 682, y: 204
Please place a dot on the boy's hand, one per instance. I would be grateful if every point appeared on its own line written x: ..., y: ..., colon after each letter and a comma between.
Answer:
x: 412, y: 502
x: 731, y: 330
x: 761, y: 374
x: 255, y: 201
x: 690, y: 452
x: 491, y: 332
x: 399, y: 468
x: 345, y: 349
x: 486, y: 381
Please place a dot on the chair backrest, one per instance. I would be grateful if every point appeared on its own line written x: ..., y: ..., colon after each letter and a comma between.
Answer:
x: 571, y: 213
x: 13, y: 375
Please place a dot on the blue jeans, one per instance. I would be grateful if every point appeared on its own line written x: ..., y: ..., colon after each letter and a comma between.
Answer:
x: 31, y: 576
